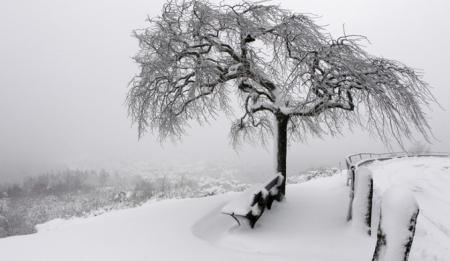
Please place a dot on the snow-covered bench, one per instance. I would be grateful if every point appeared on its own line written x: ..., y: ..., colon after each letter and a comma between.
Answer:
x: 252, y: 203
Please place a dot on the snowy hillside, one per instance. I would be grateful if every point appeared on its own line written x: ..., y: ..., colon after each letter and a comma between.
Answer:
x: 309, y: 225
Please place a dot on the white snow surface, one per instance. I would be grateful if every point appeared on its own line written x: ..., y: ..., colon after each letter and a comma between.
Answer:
x: 398, y: 206
x: 309, y: 225
x: 428, y: 178
x: 241, y: 204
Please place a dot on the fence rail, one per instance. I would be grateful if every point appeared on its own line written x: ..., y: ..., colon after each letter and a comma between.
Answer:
x: 355, y: 158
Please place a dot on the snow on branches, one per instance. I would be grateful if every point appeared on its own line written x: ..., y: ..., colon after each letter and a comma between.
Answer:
x: 196, y: 54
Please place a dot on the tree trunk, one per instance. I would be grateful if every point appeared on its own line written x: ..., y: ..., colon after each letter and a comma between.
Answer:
x: 282, y: 122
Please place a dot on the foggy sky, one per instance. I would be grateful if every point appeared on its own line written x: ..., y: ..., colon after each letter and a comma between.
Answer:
x: 65, y: 66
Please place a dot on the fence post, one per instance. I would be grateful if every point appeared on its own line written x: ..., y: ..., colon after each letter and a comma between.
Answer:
x: 362, y: 201
x: 348, y: 166
x: 351, y: 171
x: 398, y: 218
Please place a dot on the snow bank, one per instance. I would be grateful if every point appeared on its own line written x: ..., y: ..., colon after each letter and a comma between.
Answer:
x: 308, y: 225
x: 399, y: 211
x: 428, y: 178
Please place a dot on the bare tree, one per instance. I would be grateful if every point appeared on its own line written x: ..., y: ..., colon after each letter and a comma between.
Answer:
x: 289, y: 75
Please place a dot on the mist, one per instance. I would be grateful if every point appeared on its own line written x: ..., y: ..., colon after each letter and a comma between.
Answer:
x: 65, y: 67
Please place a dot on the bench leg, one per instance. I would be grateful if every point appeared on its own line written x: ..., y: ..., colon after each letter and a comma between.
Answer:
x: 252, y: 222
x: 270, y: 200
x: 237, y: 220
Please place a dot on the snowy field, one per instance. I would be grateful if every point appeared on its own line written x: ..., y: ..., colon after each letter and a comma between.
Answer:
x: 309, y: 225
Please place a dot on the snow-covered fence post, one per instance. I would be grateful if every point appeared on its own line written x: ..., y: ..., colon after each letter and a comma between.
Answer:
x: 398, y: 217
x: 362, y: 202
x: 351, y: 173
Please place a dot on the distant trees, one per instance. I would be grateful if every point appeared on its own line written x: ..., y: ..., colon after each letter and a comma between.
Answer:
x: 70, y: 193
x: 13, y: 191
x: 290, y: 76
x: 4, y: 226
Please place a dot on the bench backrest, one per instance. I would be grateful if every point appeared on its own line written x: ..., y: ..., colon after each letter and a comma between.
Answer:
x: 260, y: 197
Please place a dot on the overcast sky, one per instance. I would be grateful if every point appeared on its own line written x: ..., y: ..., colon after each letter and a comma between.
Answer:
x: 65, y: 66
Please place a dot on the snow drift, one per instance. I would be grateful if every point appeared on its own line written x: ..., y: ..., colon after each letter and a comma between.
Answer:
x: 309, y: 225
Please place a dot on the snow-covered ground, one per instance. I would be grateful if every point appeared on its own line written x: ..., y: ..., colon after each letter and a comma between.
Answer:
x: 429, y: 180
x: 309, y: 225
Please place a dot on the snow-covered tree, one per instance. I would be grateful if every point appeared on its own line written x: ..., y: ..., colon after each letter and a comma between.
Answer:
x: 291, y: 77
